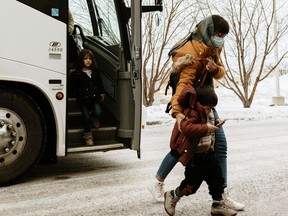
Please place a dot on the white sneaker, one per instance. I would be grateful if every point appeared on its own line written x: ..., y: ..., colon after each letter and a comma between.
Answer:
x: 157, y: 190
x: 220, y: 208
x: 230, y: 203
x: 170, y: 203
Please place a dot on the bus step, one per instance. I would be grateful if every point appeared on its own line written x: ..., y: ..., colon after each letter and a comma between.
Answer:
x: 101, y: 129
x: 94, y: 148
x: 101, y: 135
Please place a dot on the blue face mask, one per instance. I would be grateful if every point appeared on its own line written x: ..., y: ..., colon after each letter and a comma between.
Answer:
x: 217, y: 42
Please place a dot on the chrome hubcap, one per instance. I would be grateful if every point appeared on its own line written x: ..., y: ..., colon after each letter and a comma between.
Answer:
x: 13, y: 136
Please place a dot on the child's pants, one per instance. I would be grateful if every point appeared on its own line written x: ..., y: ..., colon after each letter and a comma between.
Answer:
x: 220, y: 149
x: 90, y: 110
x: 206, y: 168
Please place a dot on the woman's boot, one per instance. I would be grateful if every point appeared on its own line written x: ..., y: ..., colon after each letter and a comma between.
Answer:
x: 88, y: 138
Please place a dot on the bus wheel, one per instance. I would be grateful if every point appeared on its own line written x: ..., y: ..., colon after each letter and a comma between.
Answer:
x: 22, y: 135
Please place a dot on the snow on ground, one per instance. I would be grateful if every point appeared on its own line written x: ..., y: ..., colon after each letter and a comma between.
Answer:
x: 114, y: 183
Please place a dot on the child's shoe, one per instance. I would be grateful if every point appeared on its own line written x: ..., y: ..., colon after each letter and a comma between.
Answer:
x: 88, y: 138
x: 219, y: 208
x: 157, y: 190
x: 230, y: 203
x: 170, y: 203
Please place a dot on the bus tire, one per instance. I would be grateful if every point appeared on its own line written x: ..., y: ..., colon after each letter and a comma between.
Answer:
x: 22, y: 135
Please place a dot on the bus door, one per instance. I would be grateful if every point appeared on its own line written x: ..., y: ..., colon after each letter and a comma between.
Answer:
x: 102, y: 27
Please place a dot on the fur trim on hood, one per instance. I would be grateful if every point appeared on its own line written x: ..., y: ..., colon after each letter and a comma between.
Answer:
x: 182, y: 62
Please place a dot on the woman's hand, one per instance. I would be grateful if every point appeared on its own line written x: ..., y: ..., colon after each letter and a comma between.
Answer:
x: 211, y: 66
x: 179, y: 118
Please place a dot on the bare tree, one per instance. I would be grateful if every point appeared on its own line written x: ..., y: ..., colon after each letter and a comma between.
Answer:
x: 175, y: 22
x: 250, y: 45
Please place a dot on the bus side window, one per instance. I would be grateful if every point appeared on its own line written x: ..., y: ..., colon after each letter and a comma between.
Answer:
x: 81, y: 15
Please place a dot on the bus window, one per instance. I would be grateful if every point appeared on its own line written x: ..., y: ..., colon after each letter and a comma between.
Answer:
x: 101, y: 21
x: 80, y: 12
x: 107, y: 22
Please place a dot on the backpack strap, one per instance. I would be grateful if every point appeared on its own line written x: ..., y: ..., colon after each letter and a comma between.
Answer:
x: 168, y: 107
x: 200, y: 77
x: 167, y: 87
x: 177, y: 46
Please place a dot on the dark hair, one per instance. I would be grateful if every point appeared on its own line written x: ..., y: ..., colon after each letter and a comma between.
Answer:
x: 220, y: 25
x: 81, y: 57
x: 206, y: 96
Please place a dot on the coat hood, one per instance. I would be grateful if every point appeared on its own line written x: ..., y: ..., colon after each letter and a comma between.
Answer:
x: 208, y: 27
x: 188, y: 97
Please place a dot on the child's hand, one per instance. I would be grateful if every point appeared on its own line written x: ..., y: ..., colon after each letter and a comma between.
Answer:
x: 102, y: 97
x: 218, y: 120
x: 211, y: 128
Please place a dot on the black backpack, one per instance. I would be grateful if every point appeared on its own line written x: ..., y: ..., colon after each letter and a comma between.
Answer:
x: 173, y: 81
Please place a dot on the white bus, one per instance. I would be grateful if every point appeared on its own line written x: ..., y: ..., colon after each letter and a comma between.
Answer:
x: 38, y: 118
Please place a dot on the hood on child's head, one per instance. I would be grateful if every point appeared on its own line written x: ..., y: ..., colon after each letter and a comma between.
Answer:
x: 187, y: 97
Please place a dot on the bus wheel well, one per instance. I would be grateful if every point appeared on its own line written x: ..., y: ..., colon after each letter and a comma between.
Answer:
x: 49, y: 154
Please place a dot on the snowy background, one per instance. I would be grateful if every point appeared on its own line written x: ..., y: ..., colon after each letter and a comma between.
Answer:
x: 229, y: 105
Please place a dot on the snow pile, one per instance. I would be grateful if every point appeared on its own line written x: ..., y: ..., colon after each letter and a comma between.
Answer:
x: 229, y: 106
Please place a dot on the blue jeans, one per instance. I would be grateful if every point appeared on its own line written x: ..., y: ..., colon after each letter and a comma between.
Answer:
x: 166, y: 166
x: 90, y: 110
x: 220, y: 150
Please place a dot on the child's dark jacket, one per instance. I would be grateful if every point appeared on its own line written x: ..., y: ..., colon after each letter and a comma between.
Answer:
x: 193, y: 127
x: 86, y: 89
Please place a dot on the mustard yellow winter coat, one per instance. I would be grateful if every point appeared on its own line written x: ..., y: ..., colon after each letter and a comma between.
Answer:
x: 188, y: 59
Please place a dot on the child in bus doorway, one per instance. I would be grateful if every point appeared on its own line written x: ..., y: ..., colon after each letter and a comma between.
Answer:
x: 87, y: 84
